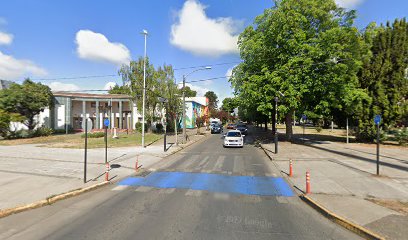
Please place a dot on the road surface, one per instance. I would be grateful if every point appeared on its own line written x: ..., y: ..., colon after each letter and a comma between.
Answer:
x: 202, y: 192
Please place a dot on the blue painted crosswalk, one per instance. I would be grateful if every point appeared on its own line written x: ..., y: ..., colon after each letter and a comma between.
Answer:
x: 246, y: 185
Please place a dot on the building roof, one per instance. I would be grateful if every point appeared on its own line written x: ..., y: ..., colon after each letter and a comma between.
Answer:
x: 5, y: 84
x: 201, y: 100
x: 90, y: 95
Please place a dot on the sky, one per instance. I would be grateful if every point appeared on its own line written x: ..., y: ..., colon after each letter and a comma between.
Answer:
x: 80, y: 45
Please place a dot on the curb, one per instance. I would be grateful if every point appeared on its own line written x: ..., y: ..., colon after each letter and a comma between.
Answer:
x: 50, y: 200
x: 359, y: 230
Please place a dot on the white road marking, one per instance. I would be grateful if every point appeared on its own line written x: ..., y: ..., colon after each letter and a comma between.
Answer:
x: 219, y: 163
x: 282, y: 199
x: 119, y: 187
x: 143, y: 189
x: 167, y: 190
x: 194, y: 193
x: 222, y: 196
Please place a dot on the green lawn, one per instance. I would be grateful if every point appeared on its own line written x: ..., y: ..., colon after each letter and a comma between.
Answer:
x: 75, y: 141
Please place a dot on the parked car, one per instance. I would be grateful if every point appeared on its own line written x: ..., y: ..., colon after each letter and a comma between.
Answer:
x: 242, y: 128
x: 234, y: 138
x: 231, y: 126
x: 216, y: 128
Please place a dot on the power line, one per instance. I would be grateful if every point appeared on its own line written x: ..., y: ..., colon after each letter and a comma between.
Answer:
x: 217, y: 64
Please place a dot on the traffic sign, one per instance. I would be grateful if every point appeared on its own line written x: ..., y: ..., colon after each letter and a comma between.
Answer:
x: 377, y: 119
x: 106, y: 122
x: 304, y: 117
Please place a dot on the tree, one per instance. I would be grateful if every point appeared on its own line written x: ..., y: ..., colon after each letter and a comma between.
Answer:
x: 384, y: 75
x: 5, y: 119
x: 28, y: 100
x: 229, y: 104
x: 212, y: 100
x: 306, y: 49
x: 188, y: 92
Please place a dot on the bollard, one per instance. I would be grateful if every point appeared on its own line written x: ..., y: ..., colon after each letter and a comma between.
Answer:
x: 290, y: 168
x: 137, y: 163
x: 308, y: 182
x: 107, y: 172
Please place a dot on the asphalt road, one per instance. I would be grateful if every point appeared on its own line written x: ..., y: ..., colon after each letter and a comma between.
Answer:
x: 160, y: 205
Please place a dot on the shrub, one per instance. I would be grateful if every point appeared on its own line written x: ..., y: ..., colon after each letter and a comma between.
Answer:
x: 139, y: 127
x: 402, y: 136
x: 63, y: 131
x: 94, y: 135
x: 42, y: 132
x: 319, y: 129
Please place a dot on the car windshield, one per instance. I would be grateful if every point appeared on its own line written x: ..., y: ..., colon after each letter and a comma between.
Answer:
x: 233, y: 134
x: 241, y: 126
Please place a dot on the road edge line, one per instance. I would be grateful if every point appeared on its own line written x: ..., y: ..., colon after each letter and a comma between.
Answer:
x: 50, y: 200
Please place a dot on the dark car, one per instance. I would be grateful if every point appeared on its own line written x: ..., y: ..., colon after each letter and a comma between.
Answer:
x: 216, y: 128
x: 242, y: 128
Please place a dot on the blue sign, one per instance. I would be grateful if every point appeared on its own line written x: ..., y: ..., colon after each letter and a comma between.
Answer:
x: 304, y: 117
x: 106, y: 122
x: 377, y: 119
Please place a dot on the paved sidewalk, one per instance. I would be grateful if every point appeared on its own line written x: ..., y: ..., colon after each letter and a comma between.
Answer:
x: 30, y: 173
x: 343, y: 180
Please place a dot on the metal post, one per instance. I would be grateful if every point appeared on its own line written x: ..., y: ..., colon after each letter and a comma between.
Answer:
x: 165, y: 135
x: 276, y: 125
x: 86, y: 148
x: 106, y: 144
x: 347, y: 131
x: 378, y: 149
x: 184, y: 110
x: 175, y: 128
x: 144, y: 90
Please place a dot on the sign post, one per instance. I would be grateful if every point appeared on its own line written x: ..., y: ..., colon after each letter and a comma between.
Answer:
x: 86, y: 148
x: 377, y: 121
x: 106, y: 123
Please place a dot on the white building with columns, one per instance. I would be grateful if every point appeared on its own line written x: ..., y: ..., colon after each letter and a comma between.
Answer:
x: 71, y: 108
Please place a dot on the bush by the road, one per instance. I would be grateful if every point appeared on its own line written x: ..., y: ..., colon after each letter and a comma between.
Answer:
x: 94, y: 135
x: 402, y: 136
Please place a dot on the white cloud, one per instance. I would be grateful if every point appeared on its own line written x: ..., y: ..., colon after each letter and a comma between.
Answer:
x: 348, y: 3
x: 109, y: 85
x: 96, y: 47
x: 196, y: 33
x: 11, y: 68
x: 228, y: 74
x: 59, y: 86
x: 6, y: 38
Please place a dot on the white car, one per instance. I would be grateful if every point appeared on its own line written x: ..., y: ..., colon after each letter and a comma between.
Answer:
x: 234, y: 138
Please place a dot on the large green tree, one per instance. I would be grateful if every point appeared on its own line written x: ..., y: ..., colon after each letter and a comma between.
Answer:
x: 27, y: 99
x: 384, y: 75
x: 188, y: 92
x: 307, y: 50
x: 229, y: 104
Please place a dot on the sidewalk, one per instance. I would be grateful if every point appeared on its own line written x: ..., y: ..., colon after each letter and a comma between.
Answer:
x: 30, y: 173
x: 343, y: 180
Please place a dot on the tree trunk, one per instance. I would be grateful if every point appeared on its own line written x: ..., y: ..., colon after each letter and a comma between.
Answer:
x: 266, y: 123
x: 288, y: 122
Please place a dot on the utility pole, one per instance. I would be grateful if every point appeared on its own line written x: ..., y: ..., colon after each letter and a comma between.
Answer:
x: 184, y: 109
x: 144, y: 89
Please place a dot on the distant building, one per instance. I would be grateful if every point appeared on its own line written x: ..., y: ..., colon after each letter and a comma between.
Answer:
x: 195, y: 107
x: 5, y: 84
x: 71, y: 108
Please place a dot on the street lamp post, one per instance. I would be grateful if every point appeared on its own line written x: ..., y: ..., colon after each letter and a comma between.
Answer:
x: 184, y: 100
x: 144, y: 89
x: 276, y: 122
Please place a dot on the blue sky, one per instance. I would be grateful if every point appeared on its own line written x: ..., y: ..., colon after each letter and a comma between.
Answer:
x: 54, y: 39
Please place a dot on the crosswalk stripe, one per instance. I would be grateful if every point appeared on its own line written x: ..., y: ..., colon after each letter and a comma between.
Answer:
x: 167, y: 190
x: 195, y: 193
x: 238, y: 164
x: 202, y: 163
x: 188, y: 162
x: 143, y: 189
x: 222, y: 196
x: 219, y: 163
x: 119, y: 188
